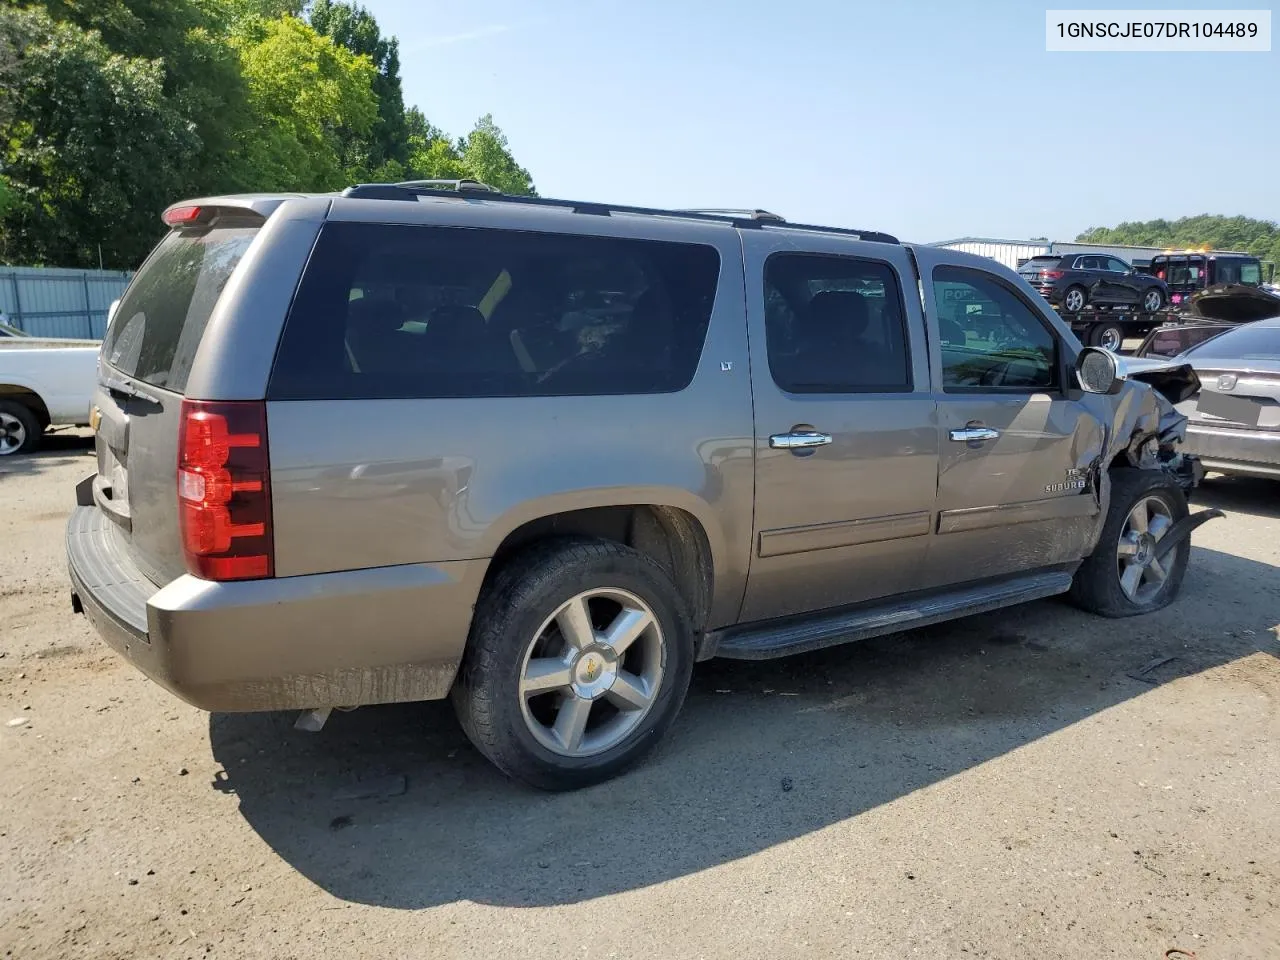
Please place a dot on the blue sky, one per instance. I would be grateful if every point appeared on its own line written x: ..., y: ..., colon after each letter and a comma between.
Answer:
x: 928, y: 120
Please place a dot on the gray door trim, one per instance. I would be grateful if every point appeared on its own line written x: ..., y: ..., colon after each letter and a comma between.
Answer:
x: 843, y: 533
x: 1007, y: 514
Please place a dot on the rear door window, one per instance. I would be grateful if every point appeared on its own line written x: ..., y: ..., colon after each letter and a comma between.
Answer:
x: 155, y: 331
x: 835, y: 325
x: 398, y: 311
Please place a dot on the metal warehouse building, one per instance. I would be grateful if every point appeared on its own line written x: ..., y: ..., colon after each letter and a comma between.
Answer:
x: 1014, y: 253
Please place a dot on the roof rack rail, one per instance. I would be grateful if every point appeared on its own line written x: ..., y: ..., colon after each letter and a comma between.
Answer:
x: 735, y: 214
x: 474, y: 190
x: 463, y: 185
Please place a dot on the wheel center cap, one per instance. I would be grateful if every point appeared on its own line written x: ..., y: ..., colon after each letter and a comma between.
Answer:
x: 594, y: 672
x: 1146, y: 549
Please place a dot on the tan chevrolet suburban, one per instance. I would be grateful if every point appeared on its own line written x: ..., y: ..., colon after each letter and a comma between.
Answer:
x: 424, y: 440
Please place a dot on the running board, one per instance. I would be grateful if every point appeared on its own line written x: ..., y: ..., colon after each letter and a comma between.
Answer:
x: 781, y: 638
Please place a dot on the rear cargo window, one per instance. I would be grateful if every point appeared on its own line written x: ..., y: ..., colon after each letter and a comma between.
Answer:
x: 1036, y: 264
x: 1249, y: 342
x: 1171, y: 342
x: 155, y: 331
x: 394, y: 311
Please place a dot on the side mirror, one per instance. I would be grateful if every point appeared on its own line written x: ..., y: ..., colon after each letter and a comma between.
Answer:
x: 111, y: 311
x: 1098, y: 371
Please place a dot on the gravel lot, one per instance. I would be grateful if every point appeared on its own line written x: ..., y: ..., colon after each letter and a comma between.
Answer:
x: 1009, y: 786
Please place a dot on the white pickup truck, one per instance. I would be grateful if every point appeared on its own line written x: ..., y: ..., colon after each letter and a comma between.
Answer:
x: 43, y: 383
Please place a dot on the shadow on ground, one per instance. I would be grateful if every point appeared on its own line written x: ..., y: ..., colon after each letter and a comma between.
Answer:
x: 1251, y: 495
x: 846, y: 729
x: 55, y: 449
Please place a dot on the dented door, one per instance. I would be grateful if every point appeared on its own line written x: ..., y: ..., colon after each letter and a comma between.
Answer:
x: 1018, y: 450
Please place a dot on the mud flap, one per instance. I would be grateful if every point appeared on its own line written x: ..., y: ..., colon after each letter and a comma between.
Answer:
x: 1182, y: 529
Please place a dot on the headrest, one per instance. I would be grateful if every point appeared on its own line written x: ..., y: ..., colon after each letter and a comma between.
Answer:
x: 455, y: 321
x: 839, y: 312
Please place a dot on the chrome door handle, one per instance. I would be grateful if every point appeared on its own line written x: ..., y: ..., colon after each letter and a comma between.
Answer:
x: 974, y: 434
x: 799, y: 441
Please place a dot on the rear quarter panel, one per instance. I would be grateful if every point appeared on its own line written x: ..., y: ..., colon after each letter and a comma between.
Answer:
x: 364, y: 483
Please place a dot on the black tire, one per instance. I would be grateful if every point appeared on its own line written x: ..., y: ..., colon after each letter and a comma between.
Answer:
x: 1156, y: 295
x: 512, y: 607
x: 28, y: 428
x: 1107, y: 335
x: 1096, y: 586
x: 1066, y: 298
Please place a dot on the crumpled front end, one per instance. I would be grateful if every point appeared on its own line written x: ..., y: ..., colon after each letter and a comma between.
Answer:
x: 1148, y: 431
x: 1154, y: 438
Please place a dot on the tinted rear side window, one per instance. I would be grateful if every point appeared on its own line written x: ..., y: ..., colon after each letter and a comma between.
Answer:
x: 155, y: 331
x: 835, y: 325
x: 394, y: 311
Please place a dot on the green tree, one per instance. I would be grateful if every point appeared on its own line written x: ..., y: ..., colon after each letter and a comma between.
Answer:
x: 487, y: 157
x: 202, y: 79
x: 382, y: 153
x: 112, y: 109
x: 1259, y: 237
x: 92, y: 149
x: 304, y: 90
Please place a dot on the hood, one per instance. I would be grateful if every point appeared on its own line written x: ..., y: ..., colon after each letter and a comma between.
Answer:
x: 1234, y: 303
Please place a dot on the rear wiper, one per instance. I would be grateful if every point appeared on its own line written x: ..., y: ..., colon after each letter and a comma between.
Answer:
x: 129, y: 390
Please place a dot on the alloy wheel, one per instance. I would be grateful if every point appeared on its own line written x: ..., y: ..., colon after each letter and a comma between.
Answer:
x: 1142, y: 576
x: 592, y: 672
x: 13, y: 434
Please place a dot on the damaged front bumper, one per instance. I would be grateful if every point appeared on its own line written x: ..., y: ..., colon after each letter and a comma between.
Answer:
x: 1155, y: 432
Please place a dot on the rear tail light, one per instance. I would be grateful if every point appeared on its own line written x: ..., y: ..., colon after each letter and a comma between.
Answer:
x: 224, y: 490
x: 1050, y: 274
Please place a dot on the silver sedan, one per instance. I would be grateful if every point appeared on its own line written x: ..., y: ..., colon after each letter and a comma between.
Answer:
x: 1234, y: 421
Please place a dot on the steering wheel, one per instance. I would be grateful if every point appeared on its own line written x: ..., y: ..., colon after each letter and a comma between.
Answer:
x: 994, y: 376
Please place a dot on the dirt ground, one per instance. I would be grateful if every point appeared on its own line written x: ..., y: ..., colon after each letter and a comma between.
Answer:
x: 1011, y: 786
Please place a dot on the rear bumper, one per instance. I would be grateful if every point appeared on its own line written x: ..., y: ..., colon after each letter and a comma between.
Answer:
x: 378, y: 635
x: 1243, y: 451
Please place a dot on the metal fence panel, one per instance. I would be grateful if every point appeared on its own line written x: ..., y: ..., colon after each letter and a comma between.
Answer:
x: 58, y: 302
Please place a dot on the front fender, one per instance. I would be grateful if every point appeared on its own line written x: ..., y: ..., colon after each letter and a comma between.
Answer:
x: 1146, y: 431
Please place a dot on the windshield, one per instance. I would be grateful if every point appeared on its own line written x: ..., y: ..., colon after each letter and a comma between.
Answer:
x: 1181, y: 273
x: 1036, y: 264
x: 155, y: 331
x: 1250, y: 342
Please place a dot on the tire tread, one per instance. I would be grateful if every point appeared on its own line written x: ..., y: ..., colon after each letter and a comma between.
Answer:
x: 517, y: 586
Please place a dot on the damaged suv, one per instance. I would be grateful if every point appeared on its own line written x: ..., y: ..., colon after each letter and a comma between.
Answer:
x: 425, y: 440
